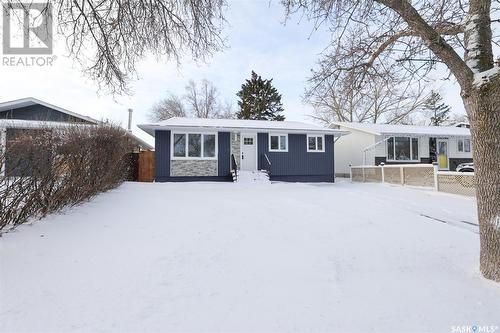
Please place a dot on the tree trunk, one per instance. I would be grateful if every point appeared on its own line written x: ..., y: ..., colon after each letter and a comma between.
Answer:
x: 483, y: 107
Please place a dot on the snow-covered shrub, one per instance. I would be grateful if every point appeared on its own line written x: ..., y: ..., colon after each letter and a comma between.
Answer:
x: 51, y: 168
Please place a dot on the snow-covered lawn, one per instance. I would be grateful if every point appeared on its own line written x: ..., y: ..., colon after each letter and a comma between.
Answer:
x: 250, y: 257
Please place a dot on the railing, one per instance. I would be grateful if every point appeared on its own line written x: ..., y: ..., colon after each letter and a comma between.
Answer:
x: 267, y: 164
x: 234, y: 166
x: 416, y: 175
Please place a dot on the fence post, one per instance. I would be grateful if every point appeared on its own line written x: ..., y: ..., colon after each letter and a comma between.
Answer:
x: 350, y: 172
x: 436, y: 184
x: 402, y: 175
x: 383, y: 173
x: 364, y: 176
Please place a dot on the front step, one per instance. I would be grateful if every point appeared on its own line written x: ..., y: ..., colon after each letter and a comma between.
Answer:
x: 260, y: 176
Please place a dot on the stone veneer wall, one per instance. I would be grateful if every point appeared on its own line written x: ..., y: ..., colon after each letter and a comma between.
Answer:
x: 193, y: 168
x: 235, y: 147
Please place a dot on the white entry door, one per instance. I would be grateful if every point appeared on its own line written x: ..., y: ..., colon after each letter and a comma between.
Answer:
x: 248, y: 152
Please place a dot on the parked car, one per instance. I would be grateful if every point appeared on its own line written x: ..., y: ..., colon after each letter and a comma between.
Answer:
x: 465, y: 167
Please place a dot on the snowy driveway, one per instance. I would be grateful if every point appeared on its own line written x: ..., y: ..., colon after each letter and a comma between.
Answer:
x: 250, y: 257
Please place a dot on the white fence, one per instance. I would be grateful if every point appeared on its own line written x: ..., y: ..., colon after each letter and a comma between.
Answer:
x: 416, y: 175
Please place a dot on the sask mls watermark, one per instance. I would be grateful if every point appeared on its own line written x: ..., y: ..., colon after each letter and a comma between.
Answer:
x: 27, y: 35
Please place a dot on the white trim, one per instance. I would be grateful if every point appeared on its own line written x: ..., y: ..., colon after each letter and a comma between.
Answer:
x: 394, y: 149
x: 186, y: 157
x: 279, y: 135
x: 151, y: 128
x: 316, y: 136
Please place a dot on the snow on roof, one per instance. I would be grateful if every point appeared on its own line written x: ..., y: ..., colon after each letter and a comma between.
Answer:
x: 238, y: 124
x: 381, y: 129
x: 29, y: 101
x: 18, y: 123
x: 34, y: 124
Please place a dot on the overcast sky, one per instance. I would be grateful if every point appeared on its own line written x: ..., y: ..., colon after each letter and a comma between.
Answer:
x: 258, y: 40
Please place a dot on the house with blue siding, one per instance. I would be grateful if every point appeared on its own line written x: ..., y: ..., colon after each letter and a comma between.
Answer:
x: 194, y: 149
x: 31, y: 114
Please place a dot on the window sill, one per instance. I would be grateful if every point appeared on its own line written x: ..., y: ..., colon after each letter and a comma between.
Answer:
x: 278, y: 151
x: 403, y: 161
x: 315, y: 151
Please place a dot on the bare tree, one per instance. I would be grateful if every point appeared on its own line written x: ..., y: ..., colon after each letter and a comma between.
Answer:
x: 416, y: 37
x: 385, y: 98
x: 202, y: 100
x: 171, y: 106
x: 226, y: 110
x: 107, y: 38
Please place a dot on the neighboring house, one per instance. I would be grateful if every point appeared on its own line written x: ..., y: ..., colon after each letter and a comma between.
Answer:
x: 33, y: 114
x: 372, y: 144
x: 189, y: 149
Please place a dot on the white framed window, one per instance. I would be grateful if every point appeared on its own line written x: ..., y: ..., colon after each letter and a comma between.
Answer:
x: 315, y: 143
x: 402, y: 148
x: 194, y: 146
x: 463, y: 145
x: 278, y: 142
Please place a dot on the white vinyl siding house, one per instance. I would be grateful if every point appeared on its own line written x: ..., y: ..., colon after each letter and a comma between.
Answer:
x: 372, y: 144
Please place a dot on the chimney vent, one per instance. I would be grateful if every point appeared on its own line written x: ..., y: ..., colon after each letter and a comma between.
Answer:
x: 129, y: 127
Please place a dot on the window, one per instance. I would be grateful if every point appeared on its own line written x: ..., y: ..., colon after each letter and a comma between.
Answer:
x: 179, y: 145
x: 194, y: 146
x: 209, y: 145
x: 248, y: 141
x: 464, y: 145
x: 315, y: 143
x: 278, y: 142
x: 402, y: 149
x: 414, y: 149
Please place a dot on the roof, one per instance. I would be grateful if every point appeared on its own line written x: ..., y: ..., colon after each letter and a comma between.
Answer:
x: 140, y: 142
x: 34, y: 124
x: 29, y: 101
x: 180, y: 123
x: 18, y: 123
x: 384, y: 129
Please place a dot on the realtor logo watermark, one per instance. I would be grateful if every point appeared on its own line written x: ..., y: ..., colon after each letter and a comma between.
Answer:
x: 474, y: 329
x: 27, y: 35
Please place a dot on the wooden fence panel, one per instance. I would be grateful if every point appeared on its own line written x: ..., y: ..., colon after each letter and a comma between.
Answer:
x: 146, y: 166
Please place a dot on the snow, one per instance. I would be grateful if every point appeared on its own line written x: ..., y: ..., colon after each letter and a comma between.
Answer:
x: 243, y: 257
x: 237, y: 124
x: 19, y: 123
x: 485, y: 76
x: 381, y: 129
x: 253, y: 177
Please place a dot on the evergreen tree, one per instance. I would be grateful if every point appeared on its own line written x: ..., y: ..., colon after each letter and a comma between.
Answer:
x: 259, y: 100
x: 438, y: 111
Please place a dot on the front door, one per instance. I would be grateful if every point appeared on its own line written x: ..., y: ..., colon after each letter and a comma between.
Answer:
x: 249, y: 152
x: 442, y: 154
